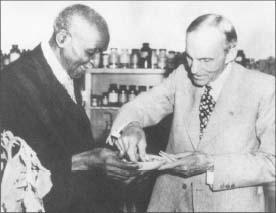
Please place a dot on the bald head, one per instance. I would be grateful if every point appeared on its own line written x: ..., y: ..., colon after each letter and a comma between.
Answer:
x: 218, y: 22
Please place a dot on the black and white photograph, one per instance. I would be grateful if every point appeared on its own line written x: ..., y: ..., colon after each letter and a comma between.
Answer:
x: 137, y: 106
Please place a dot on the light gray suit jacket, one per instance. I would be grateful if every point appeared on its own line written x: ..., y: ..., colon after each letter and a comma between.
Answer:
x: 240, y: 135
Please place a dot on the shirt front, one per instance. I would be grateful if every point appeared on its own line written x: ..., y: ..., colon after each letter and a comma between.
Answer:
x: 59, y: 72
x: 217, y: 84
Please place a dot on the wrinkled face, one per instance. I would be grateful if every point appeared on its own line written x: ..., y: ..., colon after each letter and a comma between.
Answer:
x: 83, y: 42
x: 206, y: 55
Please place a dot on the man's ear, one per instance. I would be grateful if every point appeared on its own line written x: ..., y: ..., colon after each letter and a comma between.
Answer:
x: 63, y: 38
x: 231, y: 55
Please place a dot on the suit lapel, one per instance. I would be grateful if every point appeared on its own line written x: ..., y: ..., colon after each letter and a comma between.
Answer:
x: 192, y: 124
x: 59, y: 101
x: 58, y: 94
x: 224, y: 108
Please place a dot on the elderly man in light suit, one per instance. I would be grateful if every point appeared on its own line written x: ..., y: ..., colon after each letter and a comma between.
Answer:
x: 223, y: 129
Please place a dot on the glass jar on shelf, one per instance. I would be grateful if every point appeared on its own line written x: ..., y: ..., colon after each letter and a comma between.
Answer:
x: 94, y: 101
x: 123, y: 94
x: 145, y: 56
x: 162, y: 60
x: 124, y: 58
x: 113, y: 95
x: 96, y: 60
x: 141, y: 89
x: 113, y: 58
x: 105, y: 60
x: 105, y: 99
x: 135, y: 58
x: 154, y: 59
x: 132, y: 92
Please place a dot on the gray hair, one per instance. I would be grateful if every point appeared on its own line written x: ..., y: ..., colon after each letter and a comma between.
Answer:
x: 64, y: 19
x: 218, y: 21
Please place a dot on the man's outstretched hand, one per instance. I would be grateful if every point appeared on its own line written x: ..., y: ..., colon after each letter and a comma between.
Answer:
x: 108, y: 161
x: 190, y: 164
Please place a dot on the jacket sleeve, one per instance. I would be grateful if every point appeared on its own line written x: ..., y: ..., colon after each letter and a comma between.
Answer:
x: 21, y: 114
x: 150, y: 107
x: 251, y: 168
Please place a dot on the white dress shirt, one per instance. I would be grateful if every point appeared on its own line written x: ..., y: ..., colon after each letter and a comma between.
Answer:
x: 59, y: 72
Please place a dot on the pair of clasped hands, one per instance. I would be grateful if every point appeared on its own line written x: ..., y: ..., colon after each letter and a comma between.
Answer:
x: 132, y: 145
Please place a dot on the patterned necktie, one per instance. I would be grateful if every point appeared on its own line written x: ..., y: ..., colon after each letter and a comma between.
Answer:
x: 207, y: 104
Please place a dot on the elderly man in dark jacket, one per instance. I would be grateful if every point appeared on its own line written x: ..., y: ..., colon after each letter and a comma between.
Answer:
x: 40, y: 103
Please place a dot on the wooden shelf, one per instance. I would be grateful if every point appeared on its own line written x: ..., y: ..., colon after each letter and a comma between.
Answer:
x: 98, y: 80
x: 125, y: 71
x: 104, y: 107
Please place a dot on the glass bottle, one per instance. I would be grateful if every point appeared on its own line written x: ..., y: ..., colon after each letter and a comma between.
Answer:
x: 123, y: 94
x: 154, y: 59
x: 94, y: 101
x: 162, y: 58
x: 113, y: 58
x: 96, y: 60
x: 135, y: 58
x: 124, y: 58
x: 145, y: 56
x: 105, y: 99
x: 14, y: 53
x: 105, y: 60
x: 142, y: 89
x: 132, y: 92
x: 113, y: 95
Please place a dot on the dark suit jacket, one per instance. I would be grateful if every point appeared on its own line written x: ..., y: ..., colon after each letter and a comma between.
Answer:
x: 37, y: 108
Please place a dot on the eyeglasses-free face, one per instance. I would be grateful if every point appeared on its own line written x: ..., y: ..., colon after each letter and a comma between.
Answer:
x: 205, y: 54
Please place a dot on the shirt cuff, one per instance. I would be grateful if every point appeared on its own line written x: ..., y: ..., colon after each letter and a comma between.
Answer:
x: 210, y: 177
x: 115, y: 134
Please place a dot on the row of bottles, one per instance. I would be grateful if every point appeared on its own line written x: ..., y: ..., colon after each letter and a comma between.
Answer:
x: 118, y: 96
x: 145, y: 58
x: 14, y: 54
x: 136, y: 58
x: 264, y: 65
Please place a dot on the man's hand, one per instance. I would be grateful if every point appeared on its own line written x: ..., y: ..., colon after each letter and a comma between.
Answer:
x: 132, y: 143
x: 190, y: 164
x: 108, y: 161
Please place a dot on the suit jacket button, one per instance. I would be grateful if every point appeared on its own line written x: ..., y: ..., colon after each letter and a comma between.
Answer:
x: 184, y: 186
x: 232, y: 186
x: 227, y: 186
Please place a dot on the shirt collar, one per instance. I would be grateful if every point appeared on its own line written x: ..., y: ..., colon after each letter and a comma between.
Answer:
x: 60, y: 73
x: 219, y: 82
